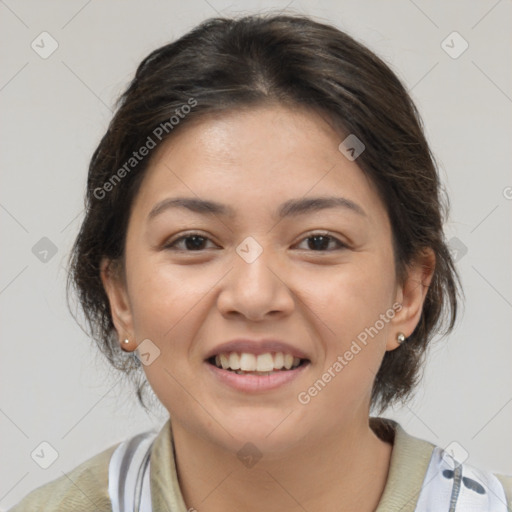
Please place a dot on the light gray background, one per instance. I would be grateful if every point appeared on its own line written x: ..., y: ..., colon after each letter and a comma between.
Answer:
x: 53, y: 386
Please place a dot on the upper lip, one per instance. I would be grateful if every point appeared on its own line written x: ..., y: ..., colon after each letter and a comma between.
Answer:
x: 256, y: 347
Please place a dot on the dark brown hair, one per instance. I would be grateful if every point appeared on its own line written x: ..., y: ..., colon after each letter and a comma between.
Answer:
x: 228, y: 64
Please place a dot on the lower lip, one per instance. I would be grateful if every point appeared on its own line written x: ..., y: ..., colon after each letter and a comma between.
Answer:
x: 256, y: 382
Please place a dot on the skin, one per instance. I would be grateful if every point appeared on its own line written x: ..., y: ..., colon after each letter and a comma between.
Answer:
x: 319, y: 456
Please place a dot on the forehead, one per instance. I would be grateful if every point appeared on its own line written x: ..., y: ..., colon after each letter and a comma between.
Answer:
x: 255, y: 159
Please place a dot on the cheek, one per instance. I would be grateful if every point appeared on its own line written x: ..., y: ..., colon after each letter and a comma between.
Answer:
x: 362, y: 287
x: 350, y: 304
x: 167, y: 309
x: 163, y: 296
x: 353, y: 338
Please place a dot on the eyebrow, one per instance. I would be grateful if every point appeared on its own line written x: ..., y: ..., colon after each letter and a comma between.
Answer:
x: 290, y: 208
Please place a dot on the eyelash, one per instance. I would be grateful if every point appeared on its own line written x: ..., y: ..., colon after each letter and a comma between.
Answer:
x: 171, y: 245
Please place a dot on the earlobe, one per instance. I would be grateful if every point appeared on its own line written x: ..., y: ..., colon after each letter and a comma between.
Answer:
x: 411, y: 294
x: 117, y: 293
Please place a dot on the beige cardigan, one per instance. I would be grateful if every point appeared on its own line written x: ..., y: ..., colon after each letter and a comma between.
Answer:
x: 85, y: 488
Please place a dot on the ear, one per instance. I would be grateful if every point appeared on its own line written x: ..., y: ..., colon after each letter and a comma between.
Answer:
x: 411, y: 294
x: 114, y: 283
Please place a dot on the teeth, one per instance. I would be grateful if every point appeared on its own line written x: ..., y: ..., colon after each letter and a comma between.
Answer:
x: 246, y: 362
x: 224, y: 361
x: 234, y: 361
x: 264, y: 363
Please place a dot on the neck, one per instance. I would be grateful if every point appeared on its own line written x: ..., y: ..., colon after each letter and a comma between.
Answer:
x: 345, y: 471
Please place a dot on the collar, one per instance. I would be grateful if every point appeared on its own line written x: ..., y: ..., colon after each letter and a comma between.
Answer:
x: 409, y: 462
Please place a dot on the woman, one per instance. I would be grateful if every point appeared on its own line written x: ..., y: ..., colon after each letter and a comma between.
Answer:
x: 263, y: 239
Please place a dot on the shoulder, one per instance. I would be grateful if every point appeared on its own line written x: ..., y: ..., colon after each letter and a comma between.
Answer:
x: 424, y: 476
x: 506, y: 482
x: 451, y: 479
x: 84, y: 488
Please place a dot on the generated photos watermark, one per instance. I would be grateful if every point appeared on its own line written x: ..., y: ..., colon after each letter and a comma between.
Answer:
x: 304, y: 397
x: 151, y: 142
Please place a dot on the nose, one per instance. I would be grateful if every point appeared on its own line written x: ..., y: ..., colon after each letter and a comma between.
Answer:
x: 256, y: 290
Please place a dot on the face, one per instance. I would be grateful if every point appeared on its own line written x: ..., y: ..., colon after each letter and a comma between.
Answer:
x: 267, y: 264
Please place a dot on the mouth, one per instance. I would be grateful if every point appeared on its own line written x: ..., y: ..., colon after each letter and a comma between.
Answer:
x: 245, y: 363
x: 256, y: 365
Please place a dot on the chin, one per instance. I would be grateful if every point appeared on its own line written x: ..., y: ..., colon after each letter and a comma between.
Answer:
x: 270, y: 433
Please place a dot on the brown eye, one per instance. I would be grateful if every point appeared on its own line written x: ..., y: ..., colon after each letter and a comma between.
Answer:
x: 320, y: 242
x: 192, y: 242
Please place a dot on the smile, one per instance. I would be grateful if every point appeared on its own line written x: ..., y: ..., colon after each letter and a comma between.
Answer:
x: 262, y: 363
x: 249, y: 372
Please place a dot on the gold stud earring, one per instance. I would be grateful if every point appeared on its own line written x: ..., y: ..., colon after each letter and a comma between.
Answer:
x: 400, y: 337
